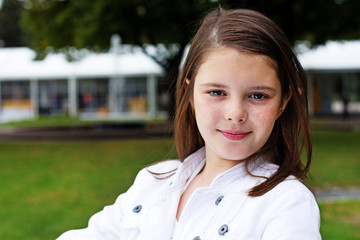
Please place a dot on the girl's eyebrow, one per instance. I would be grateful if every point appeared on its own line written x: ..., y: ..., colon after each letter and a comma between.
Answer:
x: 215, y: 85
x: 264, y: 88
x: 256, y: 88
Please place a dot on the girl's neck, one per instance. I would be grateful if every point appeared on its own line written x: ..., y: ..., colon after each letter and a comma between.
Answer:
x: 213, y: 167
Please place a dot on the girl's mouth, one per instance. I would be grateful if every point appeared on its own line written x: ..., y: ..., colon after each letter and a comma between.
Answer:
x: 234, y: 135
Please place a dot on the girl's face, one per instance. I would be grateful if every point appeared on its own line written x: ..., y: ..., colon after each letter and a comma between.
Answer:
x: 237, y: 98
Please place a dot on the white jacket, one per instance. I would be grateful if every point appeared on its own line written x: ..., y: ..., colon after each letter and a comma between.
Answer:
x: 222, y: 211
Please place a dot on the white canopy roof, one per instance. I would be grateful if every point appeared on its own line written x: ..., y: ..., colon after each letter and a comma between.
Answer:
x: 18, y: 64
x: 333, y: 56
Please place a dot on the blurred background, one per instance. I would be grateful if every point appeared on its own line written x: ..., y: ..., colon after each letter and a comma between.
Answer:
x: 87, y: 98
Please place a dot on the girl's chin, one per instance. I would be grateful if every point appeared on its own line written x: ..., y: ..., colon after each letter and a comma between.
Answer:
x: 230, y: 151
x: 234, y: 156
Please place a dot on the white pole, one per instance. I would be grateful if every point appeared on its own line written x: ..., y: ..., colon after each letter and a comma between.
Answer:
x: 151, y: 95
x: 34, y: 90
x: 72, y: 91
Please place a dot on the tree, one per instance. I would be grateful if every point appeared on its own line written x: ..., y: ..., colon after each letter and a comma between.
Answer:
x: 11, y: 35
x: 313, y: 20
x: 90, y: 24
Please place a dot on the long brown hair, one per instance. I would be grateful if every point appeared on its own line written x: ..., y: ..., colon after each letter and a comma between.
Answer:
x: 252, y: 32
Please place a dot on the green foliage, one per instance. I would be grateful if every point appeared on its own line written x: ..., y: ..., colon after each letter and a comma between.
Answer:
x: 90, y: 24
x: 315, y: 21
x: 11, y: 35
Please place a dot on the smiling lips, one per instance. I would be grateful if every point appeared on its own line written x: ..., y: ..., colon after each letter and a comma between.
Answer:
x: 234, y: 135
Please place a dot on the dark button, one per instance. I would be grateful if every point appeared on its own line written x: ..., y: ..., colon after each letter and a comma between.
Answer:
x: 197, y: 238
x: 137, y: 209
x: 223, y: 229
x: 218, y: 200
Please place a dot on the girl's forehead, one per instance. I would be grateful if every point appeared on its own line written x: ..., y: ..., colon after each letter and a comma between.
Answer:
x: 214, y: 53
x: 230, y: 66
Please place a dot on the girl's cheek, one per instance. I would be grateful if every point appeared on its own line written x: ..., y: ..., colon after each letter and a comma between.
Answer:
x: 203, y: 103
x: 266, y: 114
x: 200, y: 108
x: 208, y: 109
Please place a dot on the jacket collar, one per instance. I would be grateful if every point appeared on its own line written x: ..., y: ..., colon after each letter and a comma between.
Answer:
x: 190, y: 167
x: 193, y: 164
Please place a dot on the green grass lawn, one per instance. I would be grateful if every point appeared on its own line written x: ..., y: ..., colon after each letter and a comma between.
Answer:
x: 336, y: 159
x: 66, y: 121
x: 50, y: 187
x: 45, y: 121
x: 340, y: 220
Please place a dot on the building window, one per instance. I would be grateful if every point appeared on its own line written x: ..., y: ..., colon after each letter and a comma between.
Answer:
x: 16, y: 102
x: 132, y: 95
x: 94, y: 96
x: 53, y: 97
x: 15, y: 94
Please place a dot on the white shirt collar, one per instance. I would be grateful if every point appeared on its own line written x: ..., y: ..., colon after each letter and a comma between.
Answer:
x: 190, y: 167
x: 193, y: 164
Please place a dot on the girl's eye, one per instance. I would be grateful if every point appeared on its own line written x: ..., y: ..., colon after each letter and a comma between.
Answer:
x: 257, y: 96
x: 217, y: 93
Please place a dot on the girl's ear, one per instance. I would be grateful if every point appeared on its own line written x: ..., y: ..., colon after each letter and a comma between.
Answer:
x: 186, y: 83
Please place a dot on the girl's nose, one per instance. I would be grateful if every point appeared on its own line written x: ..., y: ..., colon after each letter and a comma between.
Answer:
x: 236, y: 112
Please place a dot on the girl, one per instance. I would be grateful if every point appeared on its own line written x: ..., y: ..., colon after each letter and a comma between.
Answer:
x: 240, y: 128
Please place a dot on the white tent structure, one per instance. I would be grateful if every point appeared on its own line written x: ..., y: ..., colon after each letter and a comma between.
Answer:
x: 121, y: 84
x: 17, y: 63
x: 334, y: 56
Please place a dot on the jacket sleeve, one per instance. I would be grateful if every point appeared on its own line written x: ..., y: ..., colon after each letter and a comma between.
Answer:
x: 293, y: 215
x: 102, y: 225
x: 109, y: 223
x: 106, y: 224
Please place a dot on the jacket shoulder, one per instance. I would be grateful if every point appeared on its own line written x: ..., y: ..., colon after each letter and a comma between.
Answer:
x: 293, y: 187
x: 160, y: 170
x: 291, y: 211
x: 164, y: 167
x: 155, y: 175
